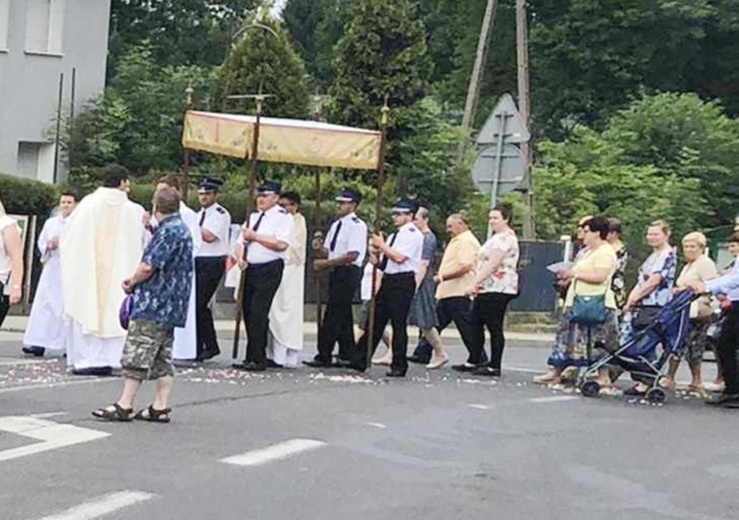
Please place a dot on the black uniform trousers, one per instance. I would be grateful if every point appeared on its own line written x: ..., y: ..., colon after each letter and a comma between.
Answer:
x: 262, y: 282
x: 338, y: 320
x: 727, y: 345
x: 393, y: 305
x: 461, y: 311
x: 208, y: 273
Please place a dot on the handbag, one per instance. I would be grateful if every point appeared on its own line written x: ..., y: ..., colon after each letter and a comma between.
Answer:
x: 587, y: 310
x: 124, y: 314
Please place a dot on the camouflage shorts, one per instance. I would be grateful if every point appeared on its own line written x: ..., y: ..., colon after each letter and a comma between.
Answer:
x: 148, y: 351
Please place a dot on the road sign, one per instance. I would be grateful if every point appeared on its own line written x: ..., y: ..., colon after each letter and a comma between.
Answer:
x: 512, y: 169
x: 515, y: 129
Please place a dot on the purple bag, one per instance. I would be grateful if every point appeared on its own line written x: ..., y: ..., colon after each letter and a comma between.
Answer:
x: 124, y: 314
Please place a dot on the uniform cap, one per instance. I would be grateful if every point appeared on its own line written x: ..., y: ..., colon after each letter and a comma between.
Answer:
x: 405, y: 206
x: 348, y: 195
x: 210, y: 184
x: 269, y: 188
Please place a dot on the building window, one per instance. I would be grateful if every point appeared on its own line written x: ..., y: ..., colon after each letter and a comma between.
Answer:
x: 44, y: 26
x: 4, y: 23
x: 36, y: 161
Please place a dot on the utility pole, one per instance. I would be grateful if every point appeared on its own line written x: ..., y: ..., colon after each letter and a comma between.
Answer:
x: 522, y: 58
x: 473, y: 92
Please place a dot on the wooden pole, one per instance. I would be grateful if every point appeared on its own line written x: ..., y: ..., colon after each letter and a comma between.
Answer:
x: 377, y: 228
x: 524, y: 107
x: 58, y: 129
x: 473, y: 91
x: 250, y: 203
x: 318, y: 235
x: 186, y: 159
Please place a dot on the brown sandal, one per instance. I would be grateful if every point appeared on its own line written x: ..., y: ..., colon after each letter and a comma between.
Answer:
x: 151, y: 414
x: 118, y: 414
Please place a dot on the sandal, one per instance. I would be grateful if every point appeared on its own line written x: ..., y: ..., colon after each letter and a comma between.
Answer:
x: 117, y: 414
x: 151, y: 414
x: 634, y: 391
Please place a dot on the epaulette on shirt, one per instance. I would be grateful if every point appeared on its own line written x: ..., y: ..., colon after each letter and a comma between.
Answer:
x: 412, y: 229
x: 220, y: 210
x: 283, y: 211
x: 355, y: 220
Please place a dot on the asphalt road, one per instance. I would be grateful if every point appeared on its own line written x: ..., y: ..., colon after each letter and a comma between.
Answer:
x: 309, y: 444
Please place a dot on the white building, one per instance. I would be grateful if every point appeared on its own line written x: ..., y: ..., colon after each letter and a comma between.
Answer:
x: 41, y: 40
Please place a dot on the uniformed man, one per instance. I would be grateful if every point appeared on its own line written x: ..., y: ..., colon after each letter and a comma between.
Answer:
x: 267, y: 238
x: 210, y: 263
x: 344, y: 251
x: 401, y: 258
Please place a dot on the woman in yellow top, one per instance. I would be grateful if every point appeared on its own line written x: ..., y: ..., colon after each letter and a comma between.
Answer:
x: 590, y: 276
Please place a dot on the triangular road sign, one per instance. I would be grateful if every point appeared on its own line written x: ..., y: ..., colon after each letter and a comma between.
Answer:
x: 515, y: 129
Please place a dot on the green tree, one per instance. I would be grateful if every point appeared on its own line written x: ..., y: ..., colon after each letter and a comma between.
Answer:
x: 185, y: 32
x: 382, y: 53
x: 265, y: 61
x: 682, y: 136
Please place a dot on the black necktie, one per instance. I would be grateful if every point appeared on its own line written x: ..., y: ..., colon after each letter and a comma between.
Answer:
x: 259, y: 221
x: 335, y: 237
x: 383, y: 264
x: 202, y: 218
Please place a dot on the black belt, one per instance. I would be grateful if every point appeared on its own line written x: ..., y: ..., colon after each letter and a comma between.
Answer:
x: 408, y: 274
x: 266, y: 265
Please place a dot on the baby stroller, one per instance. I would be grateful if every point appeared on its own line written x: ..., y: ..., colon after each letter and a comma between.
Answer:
x: 640, y: 354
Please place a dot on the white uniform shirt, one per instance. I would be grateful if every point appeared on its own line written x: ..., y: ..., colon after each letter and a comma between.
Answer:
x: 351, y: 237
x: 217, y: 221
x: 276, y: 223
x: 409, y: 243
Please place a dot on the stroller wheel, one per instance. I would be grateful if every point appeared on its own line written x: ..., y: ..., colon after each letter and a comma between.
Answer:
x: 656, y: 396
x: 590, y: 388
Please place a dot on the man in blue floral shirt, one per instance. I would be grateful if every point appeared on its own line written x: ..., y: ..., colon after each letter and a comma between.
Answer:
x: 161, y: 293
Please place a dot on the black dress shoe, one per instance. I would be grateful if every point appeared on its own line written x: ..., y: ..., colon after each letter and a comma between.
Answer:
x: 271, y: 364
x: 207, y: 354
x: 342, y: 363
x: 34, y: 351
x: 249, y: 366
x: 722, y: 399
x: 464, y: 368
x: 418, y: 359
x: 486, y: 371
x: 317, y: 363
x: 358, y: 368
x: 395, y: 373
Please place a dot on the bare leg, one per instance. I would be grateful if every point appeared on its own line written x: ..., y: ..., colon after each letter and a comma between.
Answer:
x: 440, y: 357
x: 130, y: 389
x: 669, y: 380
x: 695, y: 372
x: 164, y: 389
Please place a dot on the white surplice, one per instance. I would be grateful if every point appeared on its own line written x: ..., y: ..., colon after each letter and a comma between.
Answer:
x: 46, y: 322
x: 185, y: 338
x: 101, y: 246
x: 286, y: 313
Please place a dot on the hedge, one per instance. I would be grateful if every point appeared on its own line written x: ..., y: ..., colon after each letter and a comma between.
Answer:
x: 27, y: 197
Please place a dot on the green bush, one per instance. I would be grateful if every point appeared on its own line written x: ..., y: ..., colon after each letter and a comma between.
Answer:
x: 26, y: 197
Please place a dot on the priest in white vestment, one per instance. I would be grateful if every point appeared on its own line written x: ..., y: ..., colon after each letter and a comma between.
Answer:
x: 45, y: 329
x: 185, y: 338
x: 286, y: 313
x: 101, y: 247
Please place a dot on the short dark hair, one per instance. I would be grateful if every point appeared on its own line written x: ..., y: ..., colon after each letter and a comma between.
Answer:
x: 114, y: 175
x: 506, y: 211
x: 69, y: 193
x: 615, y: 225
x: 167, y: 201
x: 599, y: 225
x: 734, y: 237
x: 292, y: 196
x: 170, y: 180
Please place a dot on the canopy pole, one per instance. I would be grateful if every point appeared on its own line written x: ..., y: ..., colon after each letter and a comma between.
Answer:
x: 318, y: 239
x: 250, y: 203
x: 377, y: 229
x: 189, y: 91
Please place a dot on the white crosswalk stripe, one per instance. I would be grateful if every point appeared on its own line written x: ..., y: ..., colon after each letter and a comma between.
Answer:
x: 101, y: 506
x: 275, y: 452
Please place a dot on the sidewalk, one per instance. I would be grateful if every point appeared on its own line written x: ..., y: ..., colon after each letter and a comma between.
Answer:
x: 17, y: 324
